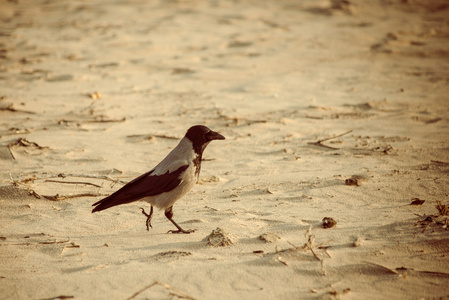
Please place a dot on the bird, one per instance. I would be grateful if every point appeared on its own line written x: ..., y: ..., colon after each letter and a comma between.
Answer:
x: 168, y: 181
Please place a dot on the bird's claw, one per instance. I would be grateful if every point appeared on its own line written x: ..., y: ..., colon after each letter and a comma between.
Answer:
x: 143, y: 211
x: 148, y: 221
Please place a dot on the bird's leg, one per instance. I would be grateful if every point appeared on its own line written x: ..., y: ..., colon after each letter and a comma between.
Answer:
x: 169, y: 215
x: 149, y: 216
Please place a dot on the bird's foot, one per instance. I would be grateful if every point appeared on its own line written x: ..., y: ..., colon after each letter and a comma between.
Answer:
x: 148, y: 222
x: 182, y: 231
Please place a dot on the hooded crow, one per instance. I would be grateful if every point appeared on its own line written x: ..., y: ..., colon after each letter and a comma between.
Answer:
x: 171, y: 179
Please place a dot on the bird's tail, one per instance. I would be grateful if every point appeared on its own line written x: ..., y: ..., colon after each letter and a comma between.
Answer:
x: 110, y: 201
x: 101, y: 205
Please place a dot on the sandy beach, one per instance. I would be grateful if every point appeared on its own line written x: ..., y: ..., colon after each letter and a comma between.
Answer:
x: 331, y: 109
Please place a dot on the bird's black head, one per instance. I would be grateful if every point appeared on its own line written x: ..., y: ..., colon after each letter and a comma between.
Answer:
x: 201, y: 136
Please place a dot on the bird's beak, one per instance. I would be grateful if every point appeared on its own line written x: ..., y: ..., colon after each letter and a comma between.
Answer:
x: 212, y: 135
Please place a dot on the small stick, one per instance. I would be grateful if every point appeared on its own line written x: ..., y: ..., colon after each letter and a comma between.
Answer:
x: 23, y: 142
x: 439, y: 162
x: 434, y: 273
x: 314, y: 117
x: 37, y: 243
x: 161, y: 136
x: 17, y: 131
x: 320, y: 142
x: 236, y: 120
x: 309, y: 245
x: 12, y: 109
x: 100, y: 120
x: 74, y: 182
x: 10, y: 151
x: 58, y: 197
x: 106, y: 177
x: 59, y: 297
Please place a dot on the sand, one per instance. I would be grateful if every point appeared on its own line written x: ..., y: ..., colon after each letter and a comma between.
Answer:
x: 309, y: 94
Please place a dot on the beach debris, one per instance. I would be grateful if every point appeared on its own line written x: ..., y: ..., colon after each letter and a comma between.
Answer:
x: 269, y: 237
x: 62, y: 297
x: 309, y: 245
x: 23, y: 142
x: 95, y: 119
x: 172, y: 254
x: 219, y: 238
x: 178, y: 71
x: 15, y: 131
x: 352, y: 181
x: 94, y: 95
x: 439, y: 162
x: 442, y: 209
x: 10, y: 107
x: 417, y: 201
x: 425, y: 222
x: 150, y: 137
x: 236, y: 121
x: 282, y: 260
x: 337, y: 294
x: 320, y: 142
x: 58, y: 197
x: 440, y: 219
x: 73, y: 182
x: 38, y: 239
x: 269, y: 191
x: 329, y: 222
x: 105, y: 177
x: 26, y: 147
x: 355, y: 180
x: 356, y: 242
x: 403, y: 271
x: 72, y: 245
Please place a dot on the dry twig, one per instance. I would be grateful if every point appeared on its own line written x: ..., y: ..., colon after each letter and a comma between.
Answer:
x: 35, y: 243
x: 62, y: 297
x: 320, y: 142
x: 440, y: 162
x: 10, y: 151
x: 106, y: 177
x: 74, y: 182
x: 97, y: 119
x: 236, y: 120
x: 11, y: 108
x: 58, y: 197
x: 23, y: 142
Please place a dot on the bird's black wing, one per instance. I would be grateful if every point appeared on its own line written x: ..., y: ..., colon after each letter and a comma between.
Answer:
x: 143, y: 186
